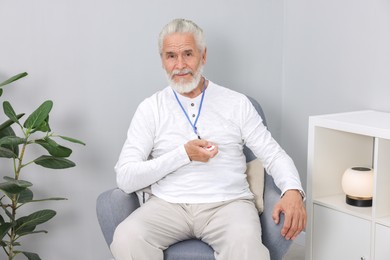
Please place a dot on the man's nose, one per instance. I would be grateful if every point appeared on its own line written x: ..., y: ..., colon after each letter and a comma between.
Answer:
x: 180, y: 63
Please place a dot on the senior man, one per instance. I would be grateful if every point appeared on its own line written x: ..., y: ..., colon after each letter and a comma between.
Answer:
x: 186, y: 142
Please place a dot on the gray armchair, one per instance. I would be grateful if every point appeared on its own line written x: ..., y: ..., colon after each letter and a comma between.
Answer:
x: 113, y: 206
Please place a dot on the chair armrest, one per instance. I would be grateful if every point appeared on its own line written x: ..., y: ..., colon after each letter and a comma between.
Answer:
x: 112, y: 207
x: 272, y: 239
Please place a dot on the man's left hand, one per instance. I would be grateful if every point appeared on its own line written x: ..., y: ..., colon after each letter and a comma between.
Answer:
x: 293, y: 208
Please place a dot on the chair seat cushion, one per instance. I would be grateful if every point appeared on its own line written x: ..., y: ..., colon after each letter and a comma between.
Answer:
x: 192, y: 249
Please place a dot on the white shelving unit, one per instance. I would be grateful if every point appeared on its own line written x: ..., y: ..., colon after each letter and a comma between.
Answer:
x: 335, y: 229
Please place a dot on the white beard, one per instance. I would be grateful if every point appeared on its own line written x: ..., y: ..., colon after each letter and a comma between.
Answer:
x: 182, y: 87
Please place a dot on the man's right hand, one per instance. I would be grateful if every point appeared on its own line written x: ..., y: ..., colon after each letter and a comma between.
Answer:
x: 196, y: 150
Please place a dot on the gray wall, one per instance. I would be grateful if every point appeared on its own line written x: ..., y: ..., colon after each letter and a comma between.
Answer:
x: 336, y: 59
x: 97, y: 60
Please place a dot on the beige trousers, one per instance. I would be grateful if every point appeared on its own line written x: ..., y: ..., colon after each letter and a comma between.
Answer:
x: 231, y: 228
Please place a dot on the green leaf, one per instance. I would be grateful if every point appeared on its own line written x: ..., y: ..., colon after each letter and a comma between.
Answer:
x: 11, y: 140
x: 21, y: 183
x: 25, y: 196
x: 44, y: 127
x: 4, y: 228
x: 39, y: 115
x: 48, y: 199
x: 1, y: 92
x: 7, y: 153
x: 12, y: 186
x: 31, y: 256
x: 9, y: 111
x: 14, y: 78
x: 71, y: 140
x: 28, y: 223
x: 8, y: 213
x: 11, y: 151
x: 53, y: 148
x: 7, y: 178
x: 33, y: 232
x: 9, y: 122
x: 54, y: 162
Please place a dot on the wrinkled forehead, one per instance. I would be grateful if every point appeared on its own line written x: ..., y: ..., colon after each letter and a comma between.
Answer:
x: 179, y: 42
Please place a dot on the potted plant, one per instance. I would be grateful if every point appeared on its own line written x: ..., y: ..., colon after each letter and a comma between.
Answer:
x: 16, y: 192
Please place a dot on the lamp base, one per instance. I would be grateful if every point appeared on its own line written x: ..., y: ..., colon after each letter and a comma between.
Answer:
x: 358, y: 202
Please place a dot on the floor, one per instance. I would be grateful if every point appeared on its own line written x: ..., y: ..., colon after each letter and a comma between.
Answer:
x: 296, y: 252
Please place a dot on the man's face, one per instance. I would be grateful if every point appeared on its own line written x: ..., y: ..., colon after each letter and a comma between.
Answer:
x: 182, y: 61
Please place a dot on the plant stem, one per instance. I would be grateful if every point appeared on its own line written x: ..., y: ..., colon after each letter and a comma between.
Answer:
x: 14, y: 202
x: 20, y: 165
x: 12, y: 238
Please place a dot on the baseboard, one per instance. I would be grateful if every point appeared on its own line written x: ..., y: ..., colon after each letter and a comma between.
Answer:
x: 301, y: 239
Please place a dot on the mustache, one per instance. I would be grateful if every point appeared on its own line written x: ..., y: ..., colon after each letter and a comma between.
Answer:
x: 183, y: 71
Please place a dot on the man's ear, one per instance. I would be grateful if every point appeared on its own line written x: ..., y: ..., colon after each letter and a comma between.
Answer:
x: 204, y: 55
x: 162, y: 64
x: 161, y: 59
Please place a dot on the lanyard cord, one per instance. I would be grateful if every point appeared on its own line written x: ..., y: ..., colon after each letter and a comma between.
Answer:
x: 193, y: 125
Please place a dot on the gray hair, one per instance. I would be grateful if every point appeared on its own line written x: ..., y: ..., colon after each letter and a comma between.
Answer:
x: 183, y: 26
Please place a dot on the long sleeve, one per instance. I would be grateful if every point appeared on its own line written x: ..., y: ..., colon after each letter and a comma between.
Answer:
x: 275, y: 160
x: 133, y: 170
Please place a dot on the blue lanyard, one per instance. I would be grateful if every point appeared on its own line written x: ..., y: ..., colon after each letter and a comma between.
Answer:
x: 193, y: 125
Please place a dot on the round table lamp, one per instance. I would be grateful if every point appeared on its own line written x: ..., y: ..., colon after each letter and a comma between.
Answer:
x: 357, y: 184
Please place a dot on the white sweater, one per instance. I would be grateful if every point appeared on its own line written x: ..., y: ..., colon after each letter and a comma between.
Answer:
x: 154, y: 153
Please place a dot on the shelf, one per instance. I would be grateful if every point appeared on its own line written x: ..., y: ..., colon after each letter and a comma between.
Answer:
x: 370, y: 123
x: 384, y: 221
x: 337, y: 142
x: 337, y: 202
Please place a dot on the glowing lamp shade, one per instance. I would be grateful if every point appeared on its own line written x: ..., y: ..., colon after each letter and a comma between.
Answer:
x: 358, y: 184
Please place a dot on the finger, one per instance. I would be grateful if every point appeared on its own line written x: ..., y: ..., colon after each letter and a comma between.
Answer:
x: 202, y: 155
x: 199, y: 142
x: 276, y: 214
x: 194, y: 152
x: 298, y: 224
x: 286, y: 225
x: 302, y: 225
x: 214, y: 151
x: 299, y: 230
x: 205, y: 155
x: 293, y: 228
x: 303, y: 221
